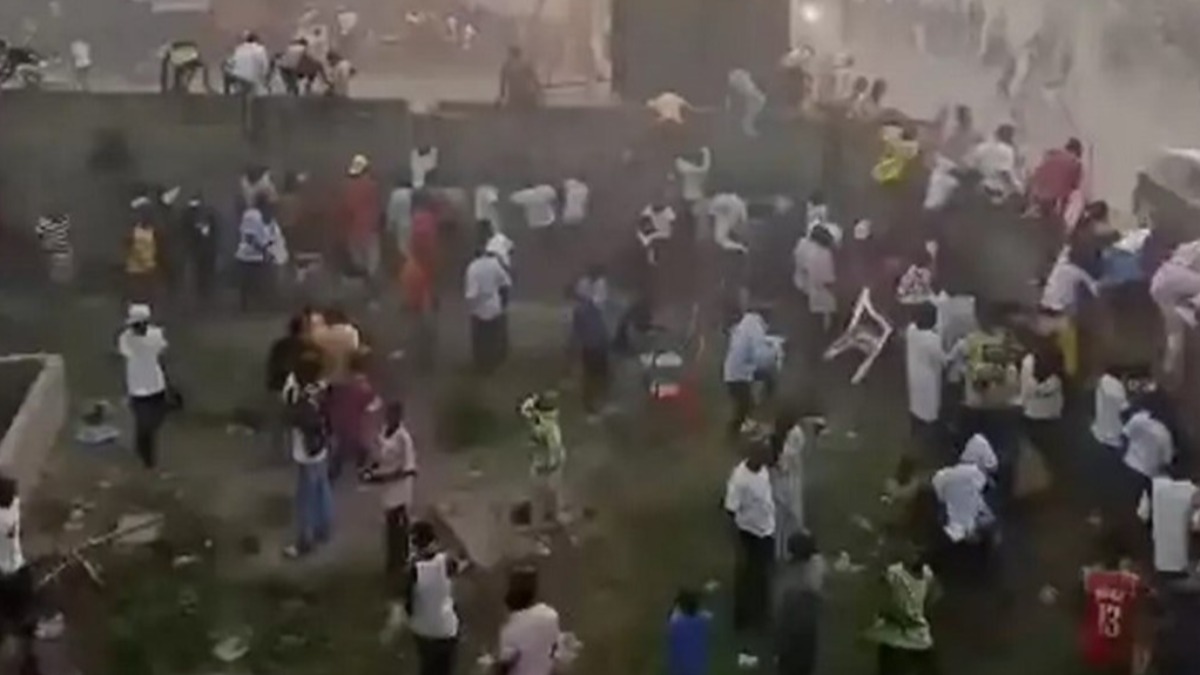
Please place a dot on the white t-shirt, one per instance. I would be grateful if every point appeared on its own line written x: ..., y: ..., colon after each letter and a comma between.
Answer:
x: 662, y: 220
x: 250, y: 63
x: 959, y: 488
x: 814, y: 274
x: 1171, y: 509
x: 397, y: 453
x: 81, y: 55
x: 924, y: 361
x: 502, y: 247
x: 433, y: 614
x: 1040, y: 400
x: 529, y: 639
x: 979, y: 451
x: 421, y: 164
x: 1150, y: 447
x: 749, y: 498
x: 1111, y: 401
x: 575, y: 201
x: 1061, y: 292
x: 12, y: 558
x: 486, y: 277
x: 668, y: 107
x: 729, y: 216
x: 143, y: 373
x: 996, y: 163
x: 539, y: 205
x: 692, y: 177
x: 487, y: 199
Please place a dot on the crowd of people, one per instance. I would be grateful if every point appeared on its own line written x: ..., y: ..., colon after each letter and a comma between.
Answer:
x: 987, y: 387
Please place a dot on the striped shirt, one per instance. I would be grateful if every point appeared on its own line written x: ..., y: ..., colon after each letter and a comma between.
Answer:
x: 55, y: 234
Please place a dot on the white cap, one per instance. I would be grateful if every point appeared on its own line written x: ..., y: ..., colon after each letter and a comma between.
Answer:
x: 137, y: 313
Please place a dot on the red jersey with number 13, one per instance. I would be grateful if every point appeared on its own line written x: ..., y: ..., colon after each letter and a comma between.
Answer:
x: 1108, y: 619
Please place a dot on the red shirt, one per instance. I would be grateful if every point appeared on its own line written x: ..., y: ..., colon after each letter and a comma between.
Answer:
x: 416, y: 288
x: 1059, y: 174
x: 361, y: 209
x: 423, y: 242
x: 1107, y: 631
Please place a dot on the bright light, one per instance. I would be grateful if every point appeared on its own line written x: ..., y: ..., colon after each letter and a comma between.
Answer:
x: 810, y: 12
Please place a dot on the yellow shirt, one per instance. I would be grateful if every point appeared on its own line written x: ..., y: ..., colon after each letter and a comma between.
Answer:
x: 143, y: 251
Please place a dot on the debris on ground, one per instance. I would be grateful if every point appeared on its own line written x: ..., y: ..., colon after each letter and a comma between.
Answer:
x: 51, y: 628
x: 712, y: 586
x: 1048, y: 595
x: 139, y: 529
x: 231, y: 648
x: 862, y: 523
x: 1095, y: 520
x: 844, y: 565
x: 568, y: 649
x: 184, y: 561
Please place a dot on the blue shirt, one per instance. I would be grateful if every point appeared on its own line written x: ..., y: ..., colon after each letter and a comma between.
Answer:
x: 750, y: 349
x: 588, y: 329
x: 687, y: 643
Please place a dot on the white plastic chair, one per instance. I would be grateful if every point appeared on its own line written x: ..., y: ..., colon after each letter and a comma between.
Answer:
x: 867, y: 332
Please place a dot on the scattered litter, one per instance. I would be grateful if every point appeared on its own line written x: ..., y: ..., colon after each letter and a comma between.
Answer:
x: 1095, y: 520
x: 235, y: 429
x: 94, y: 427
x: 475, y: 474
x: 208, y: 543
x: 231, y: 648
x: 862, y: 523
x: 542, y: 550
x: 1048, y: 595
x: 568, y: 649
x: 75, y: 520
x: 485, y: 661
x: 844, y: 565
x: 852, y: 434
x: 747, y: 661
x: 184, y: 561
x: 51, y: 628
x: 712, y: 586
x: 104, y: 484
x: 139, y: 529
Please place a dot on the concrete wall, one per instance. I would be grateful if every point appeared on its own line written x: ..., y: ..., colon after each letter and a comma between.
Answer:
x: 34, y: 430
x: 51, y: 152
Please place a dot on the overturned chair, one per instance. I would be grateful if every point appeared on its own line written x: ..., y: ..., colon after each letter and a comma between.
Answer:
x: 867, y: 332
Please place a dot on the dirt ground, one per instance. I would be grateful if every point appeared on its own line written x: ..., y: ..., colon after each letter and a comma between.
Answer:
x: 651, y: 490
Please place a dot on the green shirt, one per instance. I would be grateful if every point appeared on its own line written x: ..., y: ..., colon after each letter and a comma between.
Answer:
x: 903, y: 624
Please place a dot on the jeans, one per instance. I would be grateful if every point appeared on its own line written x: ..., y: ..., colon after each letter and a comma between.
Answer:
x: 148, y: 414
x: 435, y: 656
x: 314, y: 505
